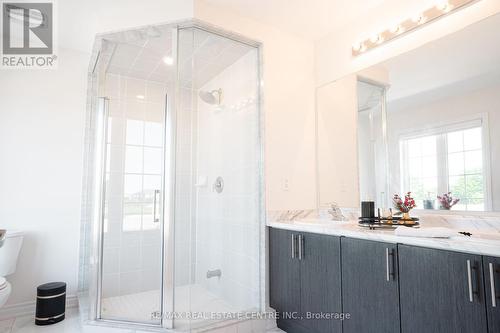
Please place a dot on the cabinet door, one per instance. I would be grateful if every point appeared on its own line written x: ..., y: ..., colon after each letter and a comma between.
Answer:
x: 284, y: 275
x: 320, y: 290
x: 370, y: 286
x: 440, y: 291
x: 492, y: 288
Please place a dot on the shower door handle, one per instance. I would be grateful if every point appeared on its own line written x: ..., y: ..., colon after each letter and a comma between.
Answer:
x: 155, y: 202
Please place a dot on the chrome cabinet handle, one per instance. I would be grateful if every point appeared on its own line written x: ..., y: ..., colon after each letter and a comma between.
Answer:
x: 389, y: 261
x: 388, y: 273
x: 293, y: 246
x: 156, y: 194
x: 492, y: 286
x: 469, y: 281
x: 301, y: 247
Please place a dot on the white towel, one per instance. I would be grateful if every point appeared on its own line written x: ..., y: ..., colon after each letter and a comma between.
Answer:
x: 424, y: 232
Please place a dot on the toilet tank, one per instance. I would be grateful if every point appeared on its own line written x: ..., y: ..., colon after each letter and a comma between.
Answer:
x: 10, y: 251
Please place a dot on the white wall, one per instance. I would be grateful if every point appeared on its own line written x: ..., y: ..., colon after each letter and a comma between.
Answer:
x: 288, y: 65
x: 41, y: 139
x: 337, y: 143
x: 333, y: 53
x: 41, y: 148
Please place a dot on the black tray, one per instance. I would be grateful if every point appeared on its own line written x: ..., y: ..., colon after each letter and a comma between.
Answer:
x: 388, y: 223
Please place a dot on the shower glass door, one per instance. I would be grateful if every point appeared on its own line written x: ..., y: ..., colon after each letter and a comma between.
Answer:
x: 131, y: 271
x: 218, y: 199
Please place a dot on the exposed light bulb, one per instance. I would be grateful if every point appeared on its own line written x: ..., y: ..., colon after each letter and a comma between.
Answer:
x: 420, y: 19
x: 168, y: 60
x: 444, y: 6
x: 359, y: 47
x: 140, y: 97
x: 375, y: 39
x: 398, y: 29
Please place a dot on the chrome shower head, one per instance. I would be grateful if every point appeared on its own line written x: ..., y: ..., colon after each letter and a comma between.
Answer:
x: 211, y: 97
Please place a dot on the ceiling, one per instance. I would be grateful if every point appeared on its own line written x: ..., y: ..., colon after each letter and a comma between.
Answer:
x: 139, y: 53
x: 311, y: 19
x: 467, y: 59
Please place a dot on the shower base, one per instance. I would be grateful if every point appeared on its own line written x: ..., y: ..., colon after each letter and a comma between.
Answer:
x: 194, y: 298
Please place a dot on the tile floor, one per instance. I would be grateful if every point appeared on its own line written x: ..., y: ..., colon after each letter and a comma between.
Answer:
x: 72, y: 324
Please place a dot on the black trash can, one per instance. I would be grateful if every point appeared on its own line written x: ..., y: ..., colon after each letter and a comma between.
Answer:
x: 50, y: 303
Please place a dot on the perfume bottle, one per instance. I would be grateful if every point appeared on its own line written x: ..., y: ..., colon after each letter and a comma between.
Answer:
x: 428, y: 202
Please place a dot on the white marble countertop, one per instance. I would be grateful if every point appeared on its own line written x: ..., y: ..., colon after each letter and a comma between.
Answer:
x: 482, y: 242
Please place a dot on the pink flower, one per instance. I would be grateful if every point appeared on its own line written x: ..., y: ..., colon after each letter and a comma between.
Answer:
x: 447, y: 201
x: 403, y: 206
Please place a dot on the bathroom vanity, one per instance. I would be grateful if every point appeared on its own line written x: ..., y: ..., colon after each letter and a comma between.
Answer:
x: 422, y: 124
x: 380, y: 282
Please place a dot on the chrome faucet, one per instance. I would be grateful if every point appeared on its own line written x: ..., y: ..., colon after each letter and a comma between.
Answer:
x: 336, y: 212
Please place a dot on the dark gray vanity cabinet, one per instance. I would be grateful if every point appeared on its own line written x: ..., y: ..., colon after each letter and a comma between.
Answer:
x: 491, y: 268
x: 370, y: 289
x: 284, y: 273
x: 441, y: 291
x: 305, y: 281
x: 320, y: 291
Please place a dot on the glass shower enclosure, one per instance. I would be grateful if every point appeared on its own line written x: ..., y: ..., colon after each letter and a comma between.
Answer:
x: 372, y: 143
x: 173, y: 206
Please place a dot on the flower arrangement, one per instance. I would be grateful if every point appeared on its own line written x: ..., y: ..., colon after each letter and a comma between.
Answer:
x: 446, y: 201
x: 403, y: 207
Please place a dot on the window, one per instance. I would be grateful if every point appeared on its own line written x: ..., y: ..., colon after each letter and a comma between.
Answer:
x: 142, y: 174
x: 465, y: 168
x: 446, y: 159
x: 133, y: 172
x: 420, y: 167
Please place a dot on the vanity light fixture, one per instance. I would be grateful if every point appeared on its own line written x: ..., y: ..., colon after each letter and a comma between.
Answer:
x: 440, y: 9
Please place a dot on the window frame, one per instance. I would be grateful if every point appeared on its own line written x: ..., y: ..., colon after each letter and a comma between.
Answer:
x: 441, y: 129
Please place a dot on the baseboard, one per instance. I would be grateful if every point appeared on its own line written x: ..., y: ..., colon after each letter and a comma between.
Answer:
x: 28, y: 308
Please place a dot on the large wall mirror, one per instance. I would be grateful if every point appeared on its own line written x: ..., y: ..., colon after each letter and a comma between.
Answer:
x: 426, y: 122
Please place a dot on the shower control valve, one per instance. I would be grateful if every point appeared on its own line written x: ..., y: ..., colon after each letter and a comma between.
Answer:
x: 219, y: 184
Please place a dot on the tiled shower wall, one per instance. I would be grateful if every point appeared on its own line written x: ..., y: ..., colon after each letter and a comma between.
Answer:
x: 185, y: 214
x: 227, y: 224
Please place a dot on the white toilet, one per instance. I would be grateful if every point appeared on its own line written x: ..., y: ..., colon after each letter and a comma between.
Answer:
x: 10, y: 244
